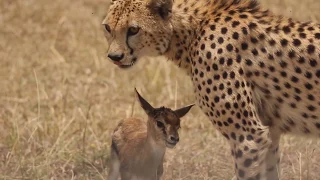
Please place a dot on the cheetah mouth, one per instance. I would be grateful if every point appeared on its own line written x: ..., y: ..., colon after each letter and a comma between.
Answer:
x: 126, y: 66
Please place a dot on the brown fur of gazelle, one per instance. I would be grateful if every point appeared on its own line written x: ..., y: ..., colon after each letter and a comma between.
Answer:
x: 138, y: 148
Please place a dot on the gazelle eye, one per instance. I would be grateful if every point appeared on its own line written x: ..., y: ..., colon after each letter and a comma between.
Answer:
x: 133, y: 30
x: 107, y: 28
x: 160, y: 124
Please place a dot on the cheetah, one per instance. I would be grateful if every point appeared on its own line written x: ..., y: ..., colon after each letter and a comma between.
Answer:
x: 255, y: 74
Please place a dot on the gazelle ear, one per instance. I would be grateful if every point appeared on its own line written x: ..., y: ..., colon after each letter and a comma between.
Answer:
x: 183, y: 111
x: 144, y: 104
x: 161, y: 7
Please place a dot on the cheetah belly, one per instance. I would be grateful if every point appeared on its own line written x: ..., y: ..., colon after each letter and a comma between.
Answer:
x: 276, y: 109
x: 285, y: 111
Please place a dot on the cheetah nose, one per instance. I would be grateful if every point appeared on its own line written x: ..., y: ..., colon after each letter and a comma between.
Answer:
x: 116, y: 57
x: 174, y: 139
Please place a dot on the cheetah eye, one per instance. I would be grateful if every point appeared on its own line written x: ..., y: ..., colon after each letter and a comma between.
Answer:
x: 133, y: 30
x: 107, y: 28
x: 160, y: 124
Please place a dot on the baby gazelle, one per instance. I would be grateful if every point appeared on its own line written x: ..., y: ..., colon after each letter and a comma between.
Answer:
x: 138, y: 148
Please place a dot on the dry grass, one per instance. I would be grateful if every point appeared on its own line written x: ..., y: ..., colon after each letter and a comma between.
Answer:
x: 60, y: 99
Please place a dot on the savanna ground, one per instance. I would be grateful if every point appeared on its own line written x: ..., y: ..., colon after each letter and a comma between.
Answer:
x: 60, y: 99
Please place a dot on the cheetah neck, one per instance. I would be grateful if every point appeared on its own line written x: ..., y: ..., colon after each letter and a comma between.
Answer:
x: 185, y: 27
x: 188, y: 18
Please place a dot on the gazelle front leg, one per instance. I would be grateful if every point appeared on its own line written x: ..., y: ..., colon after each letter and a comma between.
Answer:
x: 159, y: 171
x: 114, y: 166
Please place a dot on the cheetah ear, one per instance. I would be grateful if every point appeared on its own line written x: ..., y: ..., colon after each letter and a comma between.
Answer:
x: 144, y: 104
x: 161, y: 7
x: 183, y: 111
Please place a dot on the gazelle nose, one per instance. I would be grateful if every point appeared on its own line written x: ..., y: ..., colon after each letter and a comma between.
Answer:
x: 116, y: 57
x: 174, y: 139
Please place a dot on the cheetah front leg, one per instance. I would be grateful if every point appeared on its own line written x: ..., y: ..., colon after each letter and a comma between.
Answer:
x: 273, y: 156
x: 249, y: 139
x: 272, y: 159
x: 249, y: 154
x: 236, y: 117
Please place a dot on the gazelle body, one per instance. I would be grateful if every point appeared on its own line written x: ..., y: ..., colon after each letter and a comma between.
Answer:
x: 138, y: 148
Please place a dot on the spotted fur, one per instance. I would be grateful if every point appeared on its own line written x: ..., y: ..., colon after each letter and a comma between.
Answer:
x: 256, y: 75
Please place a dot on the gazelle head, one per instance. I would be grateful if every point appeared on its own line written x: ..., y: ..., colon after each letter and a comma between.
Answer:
x: 165, y: 122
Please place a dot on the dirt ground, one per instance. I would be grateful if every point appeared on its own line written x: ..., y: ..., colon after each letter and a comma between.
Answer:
x: 60, y: 98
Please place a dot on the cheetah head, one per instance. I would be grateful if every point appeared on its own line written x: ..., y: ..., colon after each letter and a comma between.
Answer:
x: 137, y: 28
